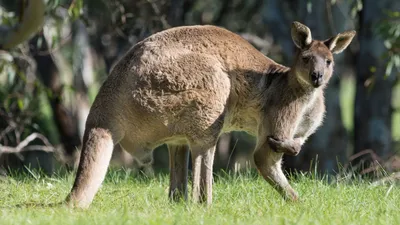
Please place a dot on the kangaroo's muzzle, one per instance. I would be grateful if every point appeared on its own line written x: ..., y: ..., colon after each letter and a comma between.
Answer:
x: 316, y: 79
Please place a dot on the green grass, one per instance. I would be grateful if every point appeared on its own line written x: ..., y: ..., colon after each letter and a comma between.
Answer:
x: 245, y: 199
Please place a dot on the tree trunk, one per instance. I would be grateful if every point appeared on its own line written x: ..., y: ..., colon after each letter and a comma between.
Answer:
x: 176, y: 13
x: 373, y: 110
x: 278, y: 19
x: 83, y: 73
x: 65, y: 121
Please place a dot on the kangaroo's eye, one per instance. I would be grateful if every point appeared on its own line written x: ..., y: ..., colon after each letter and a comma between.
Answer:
x: 306, y: 59
x: 328, y: 62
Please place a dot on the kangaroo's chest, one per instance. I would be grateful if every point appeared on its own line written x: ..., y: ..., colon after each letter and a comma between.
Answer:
x: 310, y: 120
x: 306, y: 123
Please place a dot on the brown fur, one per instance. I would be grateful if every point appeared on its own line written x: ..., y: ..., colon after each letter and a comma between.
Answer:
x: 184, y: 87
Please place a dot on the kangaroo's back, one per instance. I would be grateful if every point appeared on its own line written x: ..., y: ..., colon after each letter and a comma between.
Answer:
x: 226, y: 47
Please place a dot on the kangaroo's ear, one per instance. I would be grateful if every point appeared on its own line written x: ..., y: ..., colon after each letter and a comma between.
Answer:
x: 301, y: 35
x: 340, y: 42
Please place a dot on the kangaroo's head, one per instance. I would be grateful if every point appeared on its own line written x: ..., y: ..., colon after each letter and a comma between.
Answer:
x: 313, y: 65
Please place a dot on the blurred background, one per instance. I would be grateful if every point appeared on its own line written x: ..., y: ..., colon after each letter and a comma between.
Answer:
x: 50, y: 73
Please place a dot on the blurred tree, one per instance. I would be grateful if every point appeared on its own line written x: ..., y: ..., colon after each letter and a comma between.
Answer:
x: 177, y: 10
x: 30, y: 20
x: 19, y: 104
x: 373, y: 109
x: 66, y: 122
x: 17, y: 120
x: 82, y: 63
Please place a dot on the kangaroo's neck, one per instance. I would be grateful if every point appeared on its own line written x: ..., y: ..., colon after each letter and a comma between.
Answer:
x: 299, y: 87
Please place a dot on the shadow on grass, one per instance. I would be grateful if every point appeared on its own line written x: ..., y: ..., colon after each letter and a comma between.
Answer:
x: 26, y: 174
x: 36, y: 205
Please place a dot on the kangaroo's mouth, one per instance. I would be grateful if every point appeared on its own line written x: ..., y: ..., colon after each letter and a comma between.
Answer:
x: 316, y: 80
x: 317, y: 84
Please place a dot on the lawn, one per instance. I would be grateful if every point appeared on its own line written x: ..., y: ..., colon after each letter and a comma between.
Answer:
x: 240, y: 199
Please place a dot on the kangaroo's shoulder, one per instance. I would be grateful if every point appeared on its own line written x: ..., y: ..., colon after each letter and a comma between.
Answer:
x: 276, y: 69
x: 275, y: 72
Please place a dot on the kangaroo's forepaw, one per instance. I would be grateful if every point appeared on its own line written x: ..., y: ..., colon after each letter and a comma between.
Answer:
x: 72, y: 202
x: 288, y: 147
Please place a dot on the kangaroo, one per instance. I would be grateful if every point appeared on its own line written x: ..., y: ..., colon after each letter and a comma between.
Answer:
x: 301, y: 106
x: 186, y: 85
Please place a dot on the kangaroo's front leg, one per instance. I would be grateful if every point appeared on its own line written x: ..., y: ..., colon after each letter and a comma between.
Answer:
x: 290, y: 147
x: 202, y: 174
x: 268, y: 163
x: 276, y: 136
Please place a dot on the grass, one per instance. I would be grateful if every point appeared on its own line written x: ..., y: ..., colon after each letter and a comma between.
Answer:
x: 243, y: 199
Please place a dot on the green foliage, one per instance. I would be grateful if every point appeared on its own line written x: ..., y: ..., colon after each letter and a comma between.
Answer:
x: 7, y: 18
x: 389, y: 30
x: 356, y: 7
x: 21, y: 92
x: 54, y: 4
x: 76, y: 9
x: 241, y: 199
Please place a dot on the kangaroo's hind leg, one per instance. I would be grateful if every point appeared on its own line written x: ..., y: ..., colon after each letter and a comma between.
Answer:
x: 178, y: 165
x: 203, y: 159
x: 98, y: 144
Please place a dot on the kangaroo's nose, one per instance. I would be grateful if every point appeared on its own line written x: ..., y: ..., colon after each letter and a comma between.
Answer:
x: 316, y: 78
